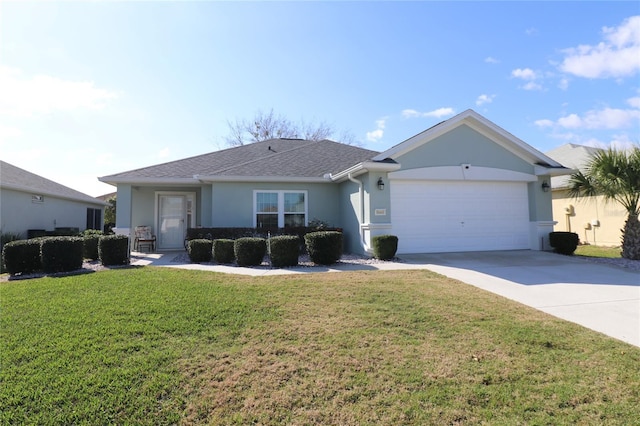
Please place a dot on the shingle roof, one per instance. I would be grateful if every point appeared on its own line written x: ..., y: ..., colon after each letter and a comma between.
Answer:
x: 573, y: 156
x: 12, y: 177
x: 295, y: 158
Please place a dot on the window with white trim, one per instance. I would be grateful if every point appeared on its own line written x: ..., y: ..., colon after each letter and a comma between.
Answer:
x: 279, y: 209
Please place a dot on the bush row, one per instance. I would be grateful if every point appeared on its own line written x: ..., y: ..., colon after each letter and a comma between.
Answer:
x: 63, y: 254
x: 237, y: 233
x: 324, y: 248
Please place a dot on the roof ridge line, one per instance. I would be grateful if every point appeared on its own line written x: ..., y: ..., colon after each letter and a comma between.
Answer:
x: 267, y: 156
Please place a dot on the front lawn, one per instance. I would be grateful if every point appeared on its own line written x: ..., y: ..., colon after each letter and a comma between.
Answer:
x: 162, y: 346
x: 598, y: 251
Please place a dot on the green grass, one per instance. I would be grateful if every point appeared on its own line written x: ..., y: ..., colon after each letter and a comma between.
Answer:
x: 160, y: 346
x: 598, y: 251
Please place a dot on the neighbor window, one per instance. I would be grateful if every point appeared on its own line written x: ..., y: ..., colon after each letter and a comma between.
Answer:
x: 94, y: 218
x: 280, y: 209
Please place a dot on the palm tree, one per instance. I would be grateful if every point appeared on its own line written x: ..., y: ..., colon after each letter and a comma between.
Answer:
x: 614, y: 174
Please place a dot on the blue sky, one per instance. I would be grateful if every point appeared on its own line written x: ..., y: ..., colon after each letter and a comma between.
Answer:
x: 88, y: 89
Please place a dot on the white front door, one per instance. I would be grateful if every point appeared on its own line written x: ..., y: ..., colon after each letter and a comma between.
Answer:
x: 172, y: 214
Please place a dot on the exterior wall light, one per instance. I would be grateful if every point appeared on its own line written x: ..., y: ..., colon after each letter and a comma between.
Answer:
x: 545, y: 186
x: 380, y: 184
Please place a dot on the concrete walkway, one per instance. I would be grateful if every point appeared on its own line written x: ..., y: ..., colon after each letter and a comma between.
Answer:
x: 601, y: 297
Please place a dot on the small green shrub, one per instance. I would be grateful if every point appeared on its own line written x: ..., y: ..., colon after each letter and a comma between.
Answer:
x: 21, y: 257
x: 114, y: 249
x: 324, y: 247
x: 384, y: 246
x: 223, y: 250
x: 250, y: 251
x: 284, y: 250
x: 90, y: 247
x: 61, y: 254
x: 200, y: 250
x: 564, y: 242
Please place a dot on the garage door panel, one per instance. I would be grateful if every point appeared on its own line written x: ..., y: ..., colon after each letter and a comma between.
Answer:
x: 440, y: 216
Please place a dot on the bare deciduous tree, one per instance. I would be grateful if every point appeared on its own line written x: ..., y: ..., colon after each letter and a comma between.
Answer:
x: 268, y: 125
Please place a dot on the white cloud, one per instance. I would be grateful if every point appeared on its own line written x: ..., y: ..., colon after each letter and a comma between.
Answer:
x: 485, y: 99
x: 600, y: 119
x: 618, y: 55
x: 524, y: 73
x: 634, y: 102
x: 410, y: 113
x: 571, y: 121
x: 42, y: 94
x: 378, y: 133
x: 544, y: 123
x: 437, y: 113
x: 491, y: 60
x: 563, y: 84
x: 530, y: 76
x: 9, y: 132
x: 532, y: 85
x: 531, y: 31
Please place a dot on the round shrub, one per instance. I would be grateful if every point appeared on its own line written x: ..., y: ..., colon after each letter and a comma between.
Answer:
x: 564, y: 242
x: 284, y: 250
x: 324, y: 247
x: 114, y: 249
x: 223, y: 250
x: 21, y: 257
x: 199, y: 250
x: 250, y: 251
x: 61, y: 254
x: 384, y: 246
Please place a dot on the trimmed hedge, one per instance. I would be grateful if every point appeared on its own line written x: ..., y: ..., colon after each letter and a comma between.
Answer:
x: 324, y: 247
x: 61, y: 254
x: 384, y: 246
x: 21, y: 256
x: 200, y: 250
x: 249, y: 251
x: 90, y: 246
x: 223, y: 250
x: 564, y: 242
x: 114, y: 250
x: 235, y: 233
x: 284, y: 250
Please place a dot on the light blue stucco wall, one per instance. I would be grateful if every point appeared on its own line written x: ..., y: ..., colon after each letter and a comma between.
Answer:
x: 463, y: 145
x: 18, y: 213
x: 540, y: 202
x: 232, y: 202
x: 349, y: 215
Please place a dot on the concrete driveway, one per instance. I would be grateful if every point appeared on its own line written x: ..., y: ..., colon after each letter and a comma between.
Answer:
x: 601, y: 297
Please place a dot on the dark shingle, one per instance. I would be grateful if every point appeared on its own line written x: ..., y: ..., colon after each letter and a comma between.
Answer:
x: 13, y: 177
x: 274, y: 157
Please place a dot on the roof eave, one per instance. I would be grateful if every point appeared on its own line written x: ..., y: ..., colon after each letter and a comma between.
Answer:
x: 146, y: 181
x: 540, y: 170
x: 274, y: 179
x: 364, y: 167
x: 88, y: 200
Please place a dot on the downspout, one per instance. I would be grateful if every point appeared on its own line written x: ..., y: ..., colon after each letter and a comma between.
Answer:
x: 361, y: 216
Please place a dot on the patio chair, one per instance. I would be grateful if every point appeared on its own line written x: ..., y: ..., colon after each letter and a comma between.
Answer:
x: 144, y: 238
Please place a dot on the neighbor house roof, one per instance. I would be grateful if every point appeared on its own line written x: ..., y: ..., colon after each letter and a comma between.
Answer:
x: 573, y: 156
x: 15, y: 178
x: 278, y: 159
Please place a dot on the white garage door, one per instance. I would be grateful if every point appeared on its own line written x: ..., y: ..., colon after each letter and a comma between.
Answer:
x: 446, y: 216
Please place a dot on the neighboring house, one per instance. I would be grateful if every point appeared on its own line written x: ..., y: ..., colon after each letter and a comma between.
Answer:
x: 29, y: 201
x: 462, y: 185
x: 595, y: 220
